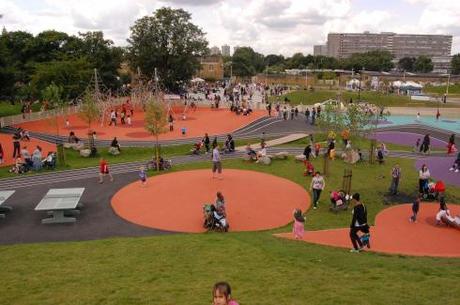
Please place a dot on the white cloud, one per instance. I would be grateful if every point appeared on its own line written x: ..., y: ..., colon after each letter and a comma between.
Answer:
x: 269, y: 26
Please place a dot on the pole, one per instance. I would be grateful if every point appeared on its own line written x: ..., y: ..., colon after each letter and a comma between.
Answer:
x: 306, y: 78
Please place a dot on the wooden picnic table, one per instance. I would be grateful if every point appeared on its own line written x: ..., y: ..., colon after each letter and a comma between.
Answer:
x: 59, y: 202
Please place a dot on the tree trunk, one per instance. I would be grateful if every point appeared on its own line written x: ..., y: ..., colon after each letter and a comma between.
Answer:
x: 157, y: 153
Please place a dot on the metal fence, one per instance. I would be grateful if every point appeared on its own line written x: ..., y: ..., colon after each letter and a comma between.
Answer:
x: 35, y: 116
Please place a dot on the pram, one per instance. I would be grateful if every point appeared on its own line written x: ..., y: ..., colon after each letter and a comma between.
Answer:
x: 196, y: 149
x: 212, y: 220
x: 339, y: 201
x: 432, y: 190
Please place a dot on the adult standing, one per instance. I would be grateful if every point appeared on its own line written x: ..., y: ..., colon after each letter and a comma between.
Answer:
x: 206, y: 142
x: 423, y: 176
x: 316, y: 186
x: 425, y: 147
x: 171, y: 122
x: 307, y: 115
x: 269, y: 109
x: 307, y: 152
x: 313, y: 116
x: 395, y: 177
x: 216, y: 162
x: 358, y: 223
x: 16, y: 145
x: 451, y: 144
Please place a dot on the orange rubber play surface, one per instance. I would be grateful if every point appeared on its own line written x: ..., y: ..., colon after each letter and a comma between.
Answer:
x: 174, y: 202
x: 212, y: 121
x: 394, y: 234
x: 7, y: 144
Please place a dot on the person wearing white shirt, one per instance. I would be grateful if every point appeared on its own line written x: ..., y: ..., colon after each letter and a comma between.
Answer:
x: 216, y: 162
x: 423, y: 177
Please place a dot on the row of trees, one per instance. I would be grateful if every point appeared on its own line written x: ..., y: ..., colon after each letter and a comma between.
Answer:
x: 29, y: 64
x: 247, y: 62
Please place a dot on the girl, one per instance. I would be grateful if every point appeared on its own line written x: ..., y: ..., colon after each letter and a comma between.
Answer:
x: 298, y: 226
x: 316, y: 186
x: 221, y: 294
x: 128, y: 120
x: 143, y: 176
x: 415, y: 209
x: 220, y: 204
x: 104, y: 170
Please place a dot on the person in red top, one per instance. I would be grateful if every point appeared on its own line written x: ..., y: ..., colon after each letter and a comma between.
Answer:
x: 104, y: 170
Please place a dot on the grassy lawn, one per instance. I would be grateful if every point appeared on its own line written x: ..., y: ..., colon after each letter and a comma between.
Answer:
x: 129, y: 154
x: 310, y: 98
x: 6, y: 109
x: 440, y: 90
x: 262, y: 269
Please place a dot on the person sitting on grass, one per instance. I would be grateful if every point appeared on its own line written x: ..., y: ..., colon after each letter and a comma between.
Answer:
x: 261, y: 153
x: 251, y: 152
x: 115, y: 144
x: 229, y: 144
x: 222, y: 294
x: 18, y: 167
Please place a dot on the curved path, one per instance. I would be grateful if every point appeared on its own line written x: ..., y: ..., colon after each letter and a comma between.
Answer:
x: 394, y: 234
x: 174, y: 201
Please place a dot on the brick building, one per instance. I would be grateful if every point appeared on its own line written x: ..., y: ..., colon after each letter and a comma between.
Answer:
x: 212, y: 68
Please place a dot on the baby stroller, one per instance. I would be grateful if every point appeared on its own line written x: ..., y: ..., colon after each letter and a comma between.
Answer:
x: 196, y: 149
x: 339, y: 201
x: 213, y: 221
x: 432, y: 190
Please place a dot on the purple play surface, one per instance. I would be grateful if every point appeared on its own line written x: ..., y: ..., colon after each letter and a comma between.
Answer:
x: 439, y: 169
x: 406, y: 138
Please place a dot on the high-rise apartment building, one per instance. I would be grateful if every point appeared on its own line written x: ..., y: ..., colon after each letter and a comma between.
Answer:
x: 225, y: 50
x: 320, y: 50
x: 437, y: 47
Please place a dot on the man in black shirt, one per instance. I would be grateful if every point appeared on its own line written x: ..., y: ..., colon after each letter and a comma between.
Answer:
x: 358, y: 223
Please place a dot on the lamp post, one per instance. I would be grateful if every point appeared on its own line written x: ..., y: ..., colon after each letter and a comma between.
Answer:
x: 306, y: 78
x: 447, y: 89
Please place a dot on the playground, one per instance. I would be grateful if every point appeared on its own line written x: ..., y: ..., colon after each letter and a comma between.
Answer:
x: 197, y: 122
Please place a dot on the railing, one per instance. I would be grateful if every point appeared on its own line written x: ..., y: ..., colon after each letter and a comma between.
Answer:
x: 36, y: 116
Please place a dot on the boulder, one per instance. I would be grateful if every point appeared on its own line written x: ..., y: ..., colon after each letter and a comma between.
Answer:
x: 68, y: 145
x: 265, y: 160
x: 282, y: 155
x: 246, y: 157
x: 114, y: 151
x: 300, y: 158
x: 85, y: 153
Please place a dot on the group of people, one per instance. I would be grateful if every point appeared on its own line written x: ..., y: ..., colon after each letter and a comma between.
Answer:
x: 125, y: 115
x: 35, y: 161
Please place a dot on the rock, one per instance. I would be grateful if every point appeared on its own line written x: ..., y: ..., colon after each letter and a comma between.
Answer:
x: 246, y: 157
x: 85, y: 153
x: 300, y: 158
x: 114, y: 151
x: 282, y: 155
x: 68, y: 145
x: 265, y: 160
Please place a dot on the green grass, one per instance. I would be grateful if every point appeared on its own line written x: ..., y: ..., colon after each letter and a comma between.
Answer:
x: 390, y: 100
x: 440, y: 90
x: 262, y: 269
x: 129, y: 154
x: 6, y: 109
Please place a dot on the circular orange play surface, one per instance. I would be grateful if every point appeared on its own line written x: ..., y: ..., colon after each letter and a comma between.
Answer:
x: 174, y: 202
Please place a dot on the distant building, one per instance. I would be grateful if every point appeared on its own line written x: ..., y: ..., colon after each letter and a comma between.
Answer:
x: 437, y: 47
x: 320, y: 50
x: 212, y: 68
x: 215, y: 51
x: 225, y: 50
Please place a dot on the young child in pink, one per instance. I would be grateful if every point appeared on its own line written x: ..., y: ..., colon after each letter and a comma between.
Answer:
x: 222, y: 294
x: 298, y: 226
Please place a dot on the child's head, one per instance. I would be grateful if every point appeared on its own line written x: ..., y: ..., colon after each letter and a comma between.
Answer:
x: 142, y: 168
x: 221, y: 293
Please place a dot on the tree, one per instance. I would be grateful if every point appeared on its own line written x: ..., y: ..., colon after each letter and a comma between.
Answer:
x: 53, y: 94
x: 423, y: 64
x: 246, y: 62
x: 273, y: 60
x: 155, y: 122
x: 89, y: 110
x: 407, y: 64
x: 456, y: 64
x: 170, y: 42
x: 372, y: 61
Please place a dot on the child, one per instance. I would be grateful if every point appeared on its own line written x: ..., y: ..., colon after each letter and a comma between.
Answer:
x: 309, y: 169
x: 128, y: 120
x: 221, y: 294
x: 317, y: 149
x: 183, y: 130
x: 417, y: 145
x: 67, y: 123
x: 298, y: 226
x: 104, y: 170
x: 415, y: 209
x: 143, y: 176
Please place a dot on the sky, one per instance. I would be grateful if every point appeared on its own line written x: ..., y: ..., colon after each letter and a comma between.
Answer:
x: 268, y: 26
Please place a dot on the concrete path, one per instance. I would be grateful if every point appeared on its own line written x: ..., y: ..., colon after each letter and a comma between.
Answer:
x: 279, y: 141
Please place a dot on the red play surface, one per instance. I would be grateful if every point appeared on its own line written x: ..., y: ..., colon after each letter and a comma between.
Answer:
x: 393, y: 233
x: 174, y: 202
x: 197, y: 122
x: 7, y: 144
